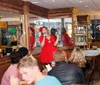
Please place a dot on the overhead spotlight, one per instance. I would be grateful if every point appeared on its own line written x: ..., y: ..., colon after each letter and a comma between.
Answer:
x: 10, y: 12
x: 86, y: 6
x: 53, y: 0
x: 80, y: 1
x: 35, y: 2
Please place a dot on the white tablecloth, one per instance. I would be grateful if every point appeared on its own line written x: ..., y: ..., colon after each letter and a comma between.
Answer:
x: 92, y: 52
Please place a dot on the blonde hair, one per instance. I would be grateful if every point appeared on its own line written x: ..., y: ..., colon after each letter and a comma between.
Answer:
x: 59, y: 55
x: 27, y: 61
x: 78, y: 57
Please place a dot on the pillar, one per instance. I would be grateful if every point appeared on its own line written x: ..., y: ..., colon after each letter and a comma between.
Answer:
x: 26, y: 24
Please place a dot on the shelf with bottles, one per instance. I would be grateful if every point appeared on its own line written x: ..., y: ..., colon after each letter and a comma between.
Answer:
x: 81, y: 35
x: 80, y: 43
x: 81, y: 29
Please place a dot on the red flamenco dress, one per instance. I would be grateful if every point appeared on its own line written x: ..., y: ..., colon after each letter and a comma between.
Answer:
x: 46, y: 54
x: 66, y: 40
x: 32, y: 41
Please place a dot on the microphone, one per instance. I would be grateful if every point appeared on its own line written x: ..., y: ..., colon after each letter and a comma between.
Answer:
x: 45, y: 34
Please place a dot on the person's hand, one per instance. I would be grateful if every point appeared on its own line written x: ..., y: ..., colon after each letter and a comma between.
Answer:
x: 14, y: 80
x: 45, y: 34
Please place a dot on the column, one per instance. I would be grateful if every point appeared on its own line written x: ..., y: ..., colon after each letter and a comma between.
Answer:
x: 74, y: 23
x: 26, y: 24
x: 62, y: 21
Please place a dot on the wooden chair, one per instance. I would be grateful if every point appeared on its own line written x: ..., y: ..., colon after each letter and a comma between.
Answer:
x: 4, y: 64
x: 94, y: 68
x: 96, y: 64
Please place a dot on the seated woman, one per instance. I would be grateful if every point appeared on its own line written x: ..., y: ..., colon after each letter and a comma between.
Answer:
x: 78, y: 57
x: 12, y: 69
x: 66, y: 73
x: 14, y: 41
x: 65, y: 38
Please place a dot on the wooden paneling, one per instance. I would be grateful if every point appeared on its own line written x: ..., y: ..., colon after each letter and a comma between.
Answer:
x: 83, y: 19
x: 4, y: 64
x: 60, y: 12
x: 12, y: 4
x: 37, y: 10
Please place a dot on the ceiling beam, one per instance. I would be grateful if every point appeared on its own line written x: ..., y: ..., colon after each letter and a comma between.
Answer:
x: 13, y: 4
x: 66, y: 12
x: 37, y: 10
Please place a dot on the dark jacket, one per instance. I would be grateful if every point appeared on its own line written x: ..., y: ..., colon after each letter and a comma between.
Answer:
x: 67, y: 73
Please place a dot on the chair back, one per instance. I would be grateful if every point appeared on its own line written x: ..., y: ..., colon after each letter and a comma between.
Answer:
x: 96, y: 62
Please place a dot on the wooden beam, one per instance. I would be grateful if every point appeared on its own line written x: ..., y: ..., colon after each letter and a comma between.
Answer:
x: 37, y: 10
x: 13, y: 4
x: 59, y: 12
x: 6, y: 9
x: 83, y: 19
x: 68, y: 15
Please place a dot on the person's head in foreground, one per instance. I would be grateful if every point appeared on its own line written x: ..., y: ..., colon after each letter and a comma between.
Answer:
x: 23, y: 50
x: 28, y: 69
x: 66, y: 73
x: 12, y: 70
x: 30, y: 72
x: 60, y: 56
x: 15, y: 57
x: 78, y: 57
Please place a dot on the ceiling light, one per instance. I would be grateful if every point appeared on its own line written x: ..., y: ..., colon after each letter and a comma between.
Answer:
x: 80, y: 1
x: 86, y: 6
x: 10, y: 12
x: 53, y: 0
x: 35, y: 2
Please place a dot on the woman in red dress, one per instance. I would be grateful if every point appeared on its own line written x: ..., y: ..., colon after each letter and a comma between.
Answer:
x: 32, y: 39
x: 65, y: 38
x: 48, y: 44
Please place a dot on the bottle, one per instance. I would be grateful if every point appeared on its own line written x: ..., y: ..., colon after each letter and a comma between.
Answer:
x: 53, y: 64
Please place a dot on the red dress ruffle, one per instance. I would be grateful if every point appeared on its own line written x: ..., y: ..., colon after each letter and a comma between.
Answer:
x: 32, y: 41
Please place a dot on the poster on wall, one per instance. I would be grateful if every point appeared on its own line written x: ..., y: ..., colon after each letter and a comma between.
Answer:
x: 3, y: 24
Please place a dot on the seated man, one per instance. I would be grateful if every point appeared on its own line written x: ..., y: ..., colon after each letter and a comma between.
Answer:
x: 12, y: 69
x: 30, y: 72
x: 66, y: 73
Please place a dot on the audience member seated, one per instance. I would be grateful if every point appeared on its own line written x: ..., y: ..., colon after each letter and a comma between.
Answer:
x: 67, y: 73
x: 23, y: 50
x: 30, y: 72
x: 78, y: 57
x: 12, y: 69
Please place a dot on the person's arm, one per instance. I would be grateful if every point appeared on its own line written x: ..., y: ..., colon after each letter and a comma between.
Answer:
x: 56, y: 42
x: 42, y: 42
x: 14, y: 81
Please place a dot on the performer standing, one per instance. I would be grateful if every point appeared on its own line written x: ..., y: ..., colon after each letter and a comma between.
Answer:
x: 32, y: 39
x: 48, y: 44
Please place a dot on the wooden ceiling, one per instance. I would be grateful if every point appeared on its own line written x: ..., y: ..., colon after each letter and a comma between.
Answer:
x: 86, y: 7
